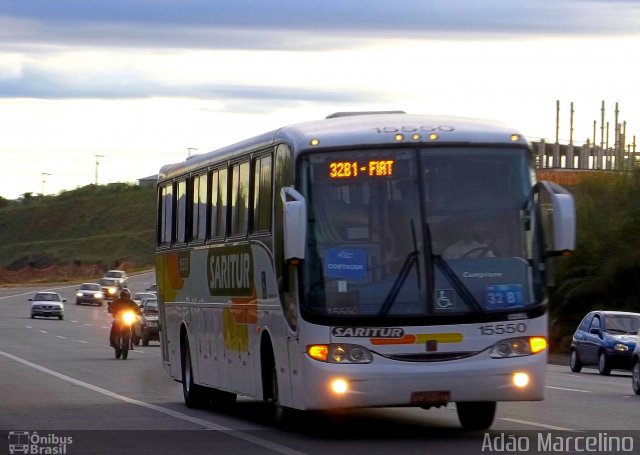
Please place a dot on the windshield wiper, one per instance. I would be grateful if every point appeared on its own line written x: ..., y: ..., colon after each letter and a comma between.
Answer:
x: 409, y: 262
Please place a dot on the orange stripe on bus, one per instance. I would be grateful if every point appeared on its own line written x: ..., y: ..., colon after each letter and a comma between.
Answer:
x: 407, y: 339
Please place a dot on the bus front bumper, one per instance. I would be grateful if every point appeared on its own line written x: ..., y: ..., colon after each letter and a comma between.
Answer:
x: 386, y: 382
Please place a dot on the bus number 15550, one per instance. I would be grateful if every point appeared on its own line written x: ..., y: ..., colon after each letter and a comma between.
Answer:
x: 500, y: 329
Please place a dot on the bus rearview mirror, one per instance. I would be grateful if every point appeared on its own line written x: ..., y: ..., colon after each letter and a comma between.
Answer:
x: 558, y: 211
x: 295, y: 224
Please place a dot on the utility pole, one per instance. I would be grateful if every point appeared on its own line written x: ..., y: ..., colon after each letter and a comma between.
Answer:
x: 44, y: 176
x: 97, y: 164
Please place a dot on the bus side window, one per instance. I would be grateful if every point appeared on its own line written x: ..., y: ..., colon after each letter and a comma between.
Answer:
x: 239, y: 198
x: 198, y: 207
x: 218, y: 204
x: 181, y: 212
x: 262, y: 194
x: 165, y: 215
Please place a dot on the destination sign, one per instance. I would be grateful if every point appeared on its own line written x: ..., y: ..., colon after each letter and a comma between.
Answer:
x: 353, y: 169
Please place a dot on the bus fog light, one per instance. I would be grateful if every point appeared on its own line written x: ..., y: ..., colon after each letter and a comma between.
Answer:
x: 339, y: 386
x: 520, y: 379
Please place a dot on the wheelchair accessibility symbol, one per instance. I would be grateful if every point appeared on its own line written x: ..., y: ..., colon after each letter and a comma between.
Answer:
x: 445, y: 299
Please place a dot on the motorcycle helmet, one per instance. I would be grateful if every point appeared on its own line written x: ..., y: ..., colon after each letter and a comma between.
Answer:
x: 125, y: 293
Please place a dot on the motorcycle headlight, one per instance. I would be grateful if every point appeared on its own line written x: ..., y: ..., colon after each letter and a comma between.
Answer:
x: 339, y: 353
x: 129, y: 317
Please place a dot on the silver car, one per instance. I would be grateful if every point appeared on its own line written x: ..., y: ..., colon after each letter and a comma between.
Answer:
x: 90, y: 293
x: 47, y: 303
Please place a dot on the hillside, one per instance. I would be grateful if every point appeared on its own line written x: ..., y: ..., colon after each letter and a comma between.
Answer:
x: 100, y: 227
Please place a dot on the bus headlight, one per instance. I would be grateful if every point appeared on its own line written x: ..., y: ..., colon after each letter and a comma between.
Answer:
x: 339, y: 353
x: 517, y: 347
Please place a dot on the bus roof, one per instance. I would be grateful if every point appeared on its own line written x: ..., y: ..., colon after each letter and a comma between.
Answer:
x: 360, y: 130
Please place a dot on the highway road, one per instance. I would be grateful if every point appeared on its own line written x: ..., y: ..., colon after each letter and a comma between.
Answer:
x: 60, y: 379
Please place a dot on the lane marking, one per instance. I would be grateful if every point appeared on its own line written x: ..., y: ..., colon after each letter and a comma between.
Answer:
x: 28, y: 327
x: 534, y: 424
x: 37, y: 290
x: 178, y: 415
x: 569, y: 390
x: 43, y: 331
x: 98, y: 344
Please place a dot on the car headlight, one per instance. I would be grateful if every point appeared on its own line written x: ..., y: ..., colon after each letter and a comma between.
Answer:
x: 517, y: 347
x: 339, y: 353
x: 621, y: 347
x: 78, y: 294
x: 98, y: 295
x: 112, y: 290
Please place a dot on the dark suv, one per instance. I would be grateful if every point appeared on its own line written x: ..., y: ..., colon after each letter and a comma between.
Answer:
x: 635, y: 369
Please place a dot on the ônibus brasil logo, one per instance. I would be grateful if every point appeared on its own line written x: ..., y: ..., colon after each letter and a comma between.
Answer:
x: 33, y: 443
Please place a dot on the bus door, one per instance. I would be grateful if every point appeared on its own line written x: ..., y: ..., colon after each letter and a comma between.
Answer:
x: 295, y: 348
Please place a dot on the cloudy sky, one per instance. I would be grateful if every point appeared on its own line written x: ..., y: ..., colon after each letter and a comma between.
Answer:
x: 139, y: 82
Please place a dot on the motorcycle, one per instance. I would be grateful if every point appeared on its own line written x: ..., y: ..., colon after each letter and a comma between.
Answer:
x: 122, y: 339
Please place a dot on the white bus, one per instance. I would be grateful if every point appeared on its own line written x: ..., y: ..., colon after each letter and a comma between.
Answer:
x: 322, y: 266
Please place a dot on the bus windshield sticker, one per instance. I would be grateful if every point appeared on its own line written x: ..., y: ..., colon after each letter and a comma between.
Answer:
x: 345, y: 263
x: 502, y: 296
x: 445, y: 299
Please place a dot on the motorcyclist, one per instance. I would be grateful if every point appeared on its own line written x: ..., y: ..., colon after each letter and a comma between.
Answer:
x: 123, y: 303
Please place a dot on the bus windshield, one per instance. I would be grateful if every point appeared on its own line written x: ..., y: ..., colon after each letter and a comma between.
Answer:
x: 421, y: 234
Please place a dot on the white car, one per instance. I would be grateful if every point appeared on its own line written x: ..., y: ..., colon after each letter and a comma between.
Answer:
x: 49, y: 304
x: 119, y: 275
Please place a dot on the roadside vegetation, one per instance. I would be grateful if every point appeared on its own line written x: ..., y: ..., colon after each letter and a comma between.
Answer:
x: 100, y: 226
x: 604, y: 270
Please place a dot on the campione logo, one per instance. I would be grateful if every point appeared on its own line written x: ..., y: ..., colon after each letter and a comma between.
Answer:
x: 230, y: 271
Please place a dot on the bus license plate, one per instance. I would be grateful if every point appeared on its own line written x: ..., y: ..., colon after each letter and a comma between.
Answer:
x: 433, y: 397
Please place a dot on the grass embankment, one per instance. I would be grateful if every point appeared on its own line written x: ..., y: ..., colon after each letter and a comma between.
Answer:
x: 101, y: 226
